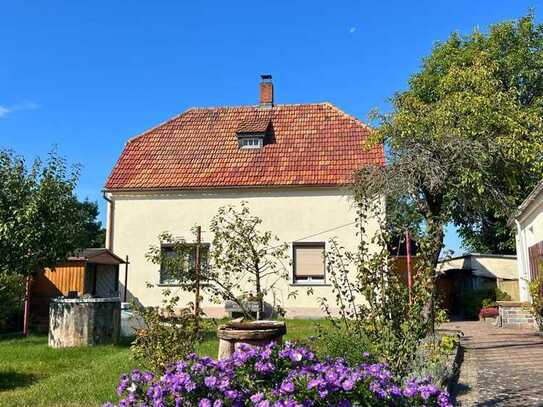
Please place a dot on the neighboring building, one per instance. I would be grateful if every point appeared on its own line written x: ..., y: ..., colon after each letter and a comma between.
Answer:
x: 529, y: 238
x: 292, y: 163
x: 474, y: 271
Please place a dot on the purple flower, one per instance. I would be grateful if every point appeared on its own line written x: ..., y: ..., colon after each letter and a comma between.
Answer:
x: 287, y: 387
x: 255, y: 398
x: 281, y: 373
x: 210, y: 381
x: 347, y: 385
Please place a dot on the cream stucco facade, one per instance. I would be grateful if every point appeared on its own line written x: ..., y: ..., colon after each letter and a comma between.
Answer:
x: 529, y: 232
x: 295, y: 214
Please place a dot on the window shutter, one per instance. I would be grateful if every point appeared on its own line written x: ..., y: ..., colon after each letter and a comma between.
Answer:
x: 309, y: 261
x: 535, y: 254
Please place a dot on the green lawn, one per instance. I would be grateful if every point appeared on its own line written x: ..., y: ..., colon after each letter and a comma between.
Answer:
x: 32, y: 374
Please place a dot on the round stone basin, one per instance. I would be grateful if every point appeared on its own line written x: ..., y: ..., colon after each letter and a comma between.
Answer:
x: 84, y: 321
x: 255, y: 333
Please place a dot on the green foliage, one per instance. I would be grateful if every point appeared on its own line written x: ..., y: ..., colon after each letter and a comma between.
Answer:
x: 177, y: 263
x: 466, y: 138
x: 372, y: 302
x: 474, y: 300
x: 536, y: 305
x: 169, y: 333
x: 92, y: 234
x: 11, y: 297
x: 432, y: 358
x: 353, y: 346
x: 40, y: 218
x: 246, y: 262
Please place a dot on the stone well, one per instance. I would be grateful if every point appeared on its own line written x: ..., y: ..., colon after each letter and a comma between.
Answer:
x: 84, y: 321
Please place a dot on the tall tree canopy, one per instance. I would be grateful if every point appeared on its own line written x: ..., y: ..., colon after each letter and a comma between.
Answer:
x: 466, y: 138
x: 92, y: 234
x: 41, y: 220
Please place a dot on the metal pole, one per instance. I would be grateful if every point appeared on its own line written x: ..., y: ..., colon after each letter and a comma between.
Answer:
x: 26, y: 316
x: 409, y: 265
x: 197, y: 267
x: 125, y: 278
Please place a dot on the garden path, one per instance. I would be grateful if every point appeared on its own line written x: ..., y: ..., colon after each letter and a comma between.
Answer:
x: 501, y: 367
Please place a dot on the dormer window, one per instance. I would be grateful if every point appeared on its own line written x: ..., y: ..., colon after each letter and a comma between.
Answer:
x: 251, y: 142
x: 255, y: 131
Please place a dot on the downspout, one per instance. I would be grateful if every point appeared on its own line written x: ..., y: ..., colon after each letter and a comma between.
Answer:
x: 110, y: 220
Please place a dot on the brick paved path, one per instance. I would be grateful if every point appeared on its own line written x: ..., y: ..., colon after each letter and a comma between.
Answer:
x: 502, y: 367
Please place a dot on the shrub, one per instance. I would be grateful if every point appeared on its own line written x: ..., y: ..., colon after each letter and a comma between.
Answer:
x: 536, y: 306
x: 11, y: 298
x: 168, y: 334
x: 274, y: 376
x: 474, y: 300
x: 354, y: 347
x: 374, y: 307
x: 432, y: 358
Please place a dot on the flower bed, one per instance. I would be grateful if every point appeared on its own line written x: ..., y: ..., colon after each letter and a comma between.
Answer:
x: 274, y: 376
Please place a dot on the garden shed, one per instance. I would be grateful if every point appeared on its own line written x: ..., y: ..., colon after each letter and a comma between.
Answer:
x: 94, y: 272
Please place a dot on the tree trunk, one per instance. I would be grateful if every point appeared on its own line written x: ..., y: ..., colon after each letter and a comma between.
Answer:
x: 260, y: 312
x: 436, y: 233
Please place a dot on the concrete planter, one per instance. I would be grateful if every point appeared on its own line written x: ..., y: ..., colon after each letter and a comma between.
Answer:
x: 84, y: 321
x: 255, y: 333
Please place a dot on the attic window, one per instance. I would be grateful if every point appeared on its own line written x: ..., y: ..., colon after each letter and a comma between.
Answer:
x: 251, y: 142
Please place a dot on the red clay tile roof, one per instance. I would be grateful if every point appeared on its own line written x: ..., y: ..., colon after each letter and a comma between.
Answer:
x: 312, y: 144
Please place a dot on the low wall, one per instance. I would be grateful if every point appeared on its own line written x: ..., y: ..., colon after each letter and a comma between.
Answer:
x: 515, y: 315
x: 84, y: 321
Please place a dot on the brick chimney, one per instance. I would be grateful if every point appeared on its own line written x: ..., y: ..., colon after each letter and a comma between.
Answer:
x: 266, y: 91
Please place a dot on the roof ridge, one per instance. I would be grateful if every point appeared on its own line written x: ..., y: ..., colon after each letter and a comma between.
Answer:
x: 257, y: 106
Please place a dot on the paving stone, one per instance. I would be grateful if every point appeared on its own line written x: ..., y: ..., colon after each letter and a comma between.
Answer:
x: 501, y: 367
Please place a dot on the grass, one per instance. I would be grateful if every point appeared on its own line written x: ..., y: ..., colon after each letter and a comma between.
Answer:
x: 32, y: 374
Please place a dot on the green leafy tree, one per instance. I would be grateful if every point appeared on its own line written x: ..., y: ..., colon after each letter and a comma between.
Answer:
x: 243, y: 265
x: 247, y: 262
x: 92, y: 234
x: 465, y: 140
x: 40, y: 217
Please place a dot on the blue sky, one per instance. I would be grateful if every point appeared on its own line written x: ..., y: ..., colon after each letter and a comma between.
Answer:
x: 86, y: 76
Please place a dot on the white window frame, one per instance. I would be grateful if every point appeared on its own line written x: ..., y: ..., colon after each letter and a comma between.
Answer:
x: 251, y: 142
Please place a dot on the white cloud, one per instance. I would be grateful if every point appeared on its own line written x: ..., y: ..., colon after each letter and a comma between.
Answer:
x: 352, y: 30
x: 5, y: 111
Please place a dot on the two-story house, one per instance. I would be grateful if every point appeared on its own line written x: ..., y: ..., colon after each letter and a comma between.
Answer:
x: 292, y: 163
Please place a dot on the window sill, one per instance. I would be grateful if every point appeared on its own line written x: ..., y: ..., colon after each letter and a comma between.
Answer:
x: 310, y: 284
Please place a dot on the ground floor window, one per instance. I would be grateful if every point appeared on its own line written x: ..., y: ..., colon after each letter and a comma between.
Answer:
x: 309, y: 263
x: 179, y: 260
